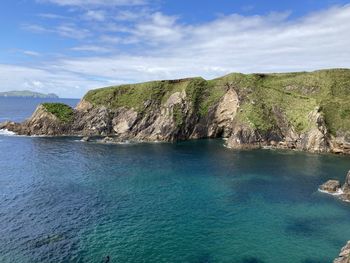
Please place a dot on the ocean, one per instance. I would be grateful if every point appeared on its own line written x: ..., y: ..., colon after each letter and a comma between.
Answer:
x: 62, y: 200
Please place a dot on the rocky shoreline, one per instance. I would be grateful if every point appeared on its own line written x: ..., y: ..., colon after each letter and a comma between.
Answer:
x: 334, y: 188
x: 295, y: 111
x: 344, y: 256
x: 161, y: 124
x: 126, y: 124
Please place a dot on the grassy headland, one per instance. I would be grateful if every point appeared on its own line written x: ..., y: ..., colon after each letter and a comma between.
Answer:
x: 293, y: 95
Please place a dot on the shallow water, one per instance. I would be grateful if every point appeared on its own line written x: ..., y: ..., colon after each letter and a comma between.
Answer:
x: 68, y: 201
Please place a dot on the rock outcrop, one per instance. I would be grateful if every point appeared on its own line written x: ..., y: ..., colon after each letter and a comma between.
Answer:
x: 346, y: 188
x: 333, y: 187
x: 250, y: 111
x: 41, y: 122
x: 344, y: 256
x: 316, y: 139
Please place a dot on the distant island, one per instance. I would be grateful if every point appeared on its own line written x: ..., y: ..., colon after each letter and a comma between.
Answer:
x: 28, y: 94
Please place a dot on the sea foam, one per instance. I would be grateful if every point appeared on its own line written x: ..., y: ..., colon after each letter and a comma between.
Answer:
x: 338, y: 192
x: 6, y: 132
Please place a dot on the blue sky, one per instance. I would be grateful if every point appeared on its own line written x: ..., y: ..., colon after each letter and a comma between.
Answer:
x: 71, y: 46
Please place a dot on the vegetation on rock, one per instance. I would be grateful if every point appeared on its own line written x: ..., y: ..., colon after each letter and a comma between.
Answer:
x: 292, y: 95
x: 62, y: 111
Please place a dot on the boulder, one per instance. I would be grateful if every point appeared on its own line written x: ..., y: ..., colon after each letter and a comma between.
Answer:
x: 85, y: 139
x: 243, y: 137
x: 346, y: 186
x: 124, y: 121
x: 331, y: 186
x: 344, y: 256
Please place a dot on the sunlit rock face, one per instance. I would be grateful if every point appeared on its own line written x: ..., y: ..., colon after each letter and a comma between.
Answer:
x: 344, y: 256
x: 287, y: 111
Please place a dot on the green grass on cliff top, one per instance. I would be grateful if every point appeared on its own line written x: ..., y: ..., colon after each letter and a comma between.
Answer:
x: 155, y: 93
x: 262, y: 96
x: 62, y: 111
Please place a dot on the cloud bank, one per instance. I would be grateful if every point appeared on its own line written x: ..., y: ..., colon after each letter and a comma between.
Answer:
x: 154, y: 45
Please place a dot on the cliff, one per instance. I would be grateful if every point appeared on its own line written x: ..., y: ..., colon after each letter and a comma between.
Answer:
x: 344, y: 256
x: 307, y: 111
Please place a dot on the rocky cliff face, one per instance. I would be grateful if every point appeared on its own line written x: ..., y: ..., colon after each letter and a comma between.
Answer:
x: 344, y: 256
x: 279, y: 110
x: 42, y: 122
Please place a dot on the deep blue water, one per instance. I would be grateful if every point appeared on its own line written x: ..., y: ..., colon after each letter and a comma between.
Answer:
x: 62, y: 200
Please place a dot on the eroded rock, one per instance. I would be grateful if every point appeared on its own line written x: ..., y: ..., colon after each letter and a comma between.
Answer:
x: 344, y: 256
x: 331, y: 186
x: 124, y: 120
x: 243, y: 137
x: 192, y: 109
x: 316, y: 139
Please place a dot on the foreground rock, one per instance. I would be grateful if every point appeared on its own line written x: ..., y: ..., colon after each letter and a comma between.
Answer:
x: 344, y: 256
x: 249, y: 111
x: 333, y: 187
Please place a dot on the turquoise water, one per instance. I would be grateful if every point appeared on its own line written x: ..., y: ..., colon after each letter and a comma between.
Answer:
x: 66, y: 201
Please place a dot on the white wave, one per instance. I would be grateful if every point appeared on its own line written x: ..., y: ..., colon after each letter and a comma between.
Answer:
x: 6, y: 132
x: 337, y: 193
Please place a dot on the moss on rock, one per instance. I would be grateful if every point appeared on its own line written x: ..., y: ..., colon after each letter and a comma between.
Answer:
x: 62, y: 111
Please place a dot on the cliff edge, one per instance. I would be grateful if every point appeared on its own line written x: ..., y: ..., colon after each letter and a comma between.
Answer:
x: 307, y: 111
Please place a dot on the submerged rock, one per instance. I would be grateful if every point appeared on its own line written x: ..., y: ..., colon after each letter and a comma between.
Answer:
x: 47, y: 240
x: 344, y: 256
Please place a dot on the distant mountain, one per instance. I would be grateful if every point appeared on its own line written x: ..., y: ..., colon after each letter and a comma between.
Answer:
x: 28, y: 94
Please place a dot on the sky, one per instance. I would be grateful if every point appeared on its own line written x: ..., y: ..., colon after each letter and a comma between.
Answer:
x: 71, y: 46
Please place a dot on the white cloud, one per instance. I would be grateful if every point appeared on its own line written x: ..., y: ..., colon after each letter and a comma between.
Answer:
x: 35, y: 28
x: 43, y: 80
x: 71, y: 31
x: 159, y: 28
x: 52, y: 16
x: 91, y: 48
x: 97, y: 15
x: 63, y: 30
x: 110, y: 39
x: 31, y: 53
x: 169, y: 49
x: 95, y: 2
x: 126, y: 15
